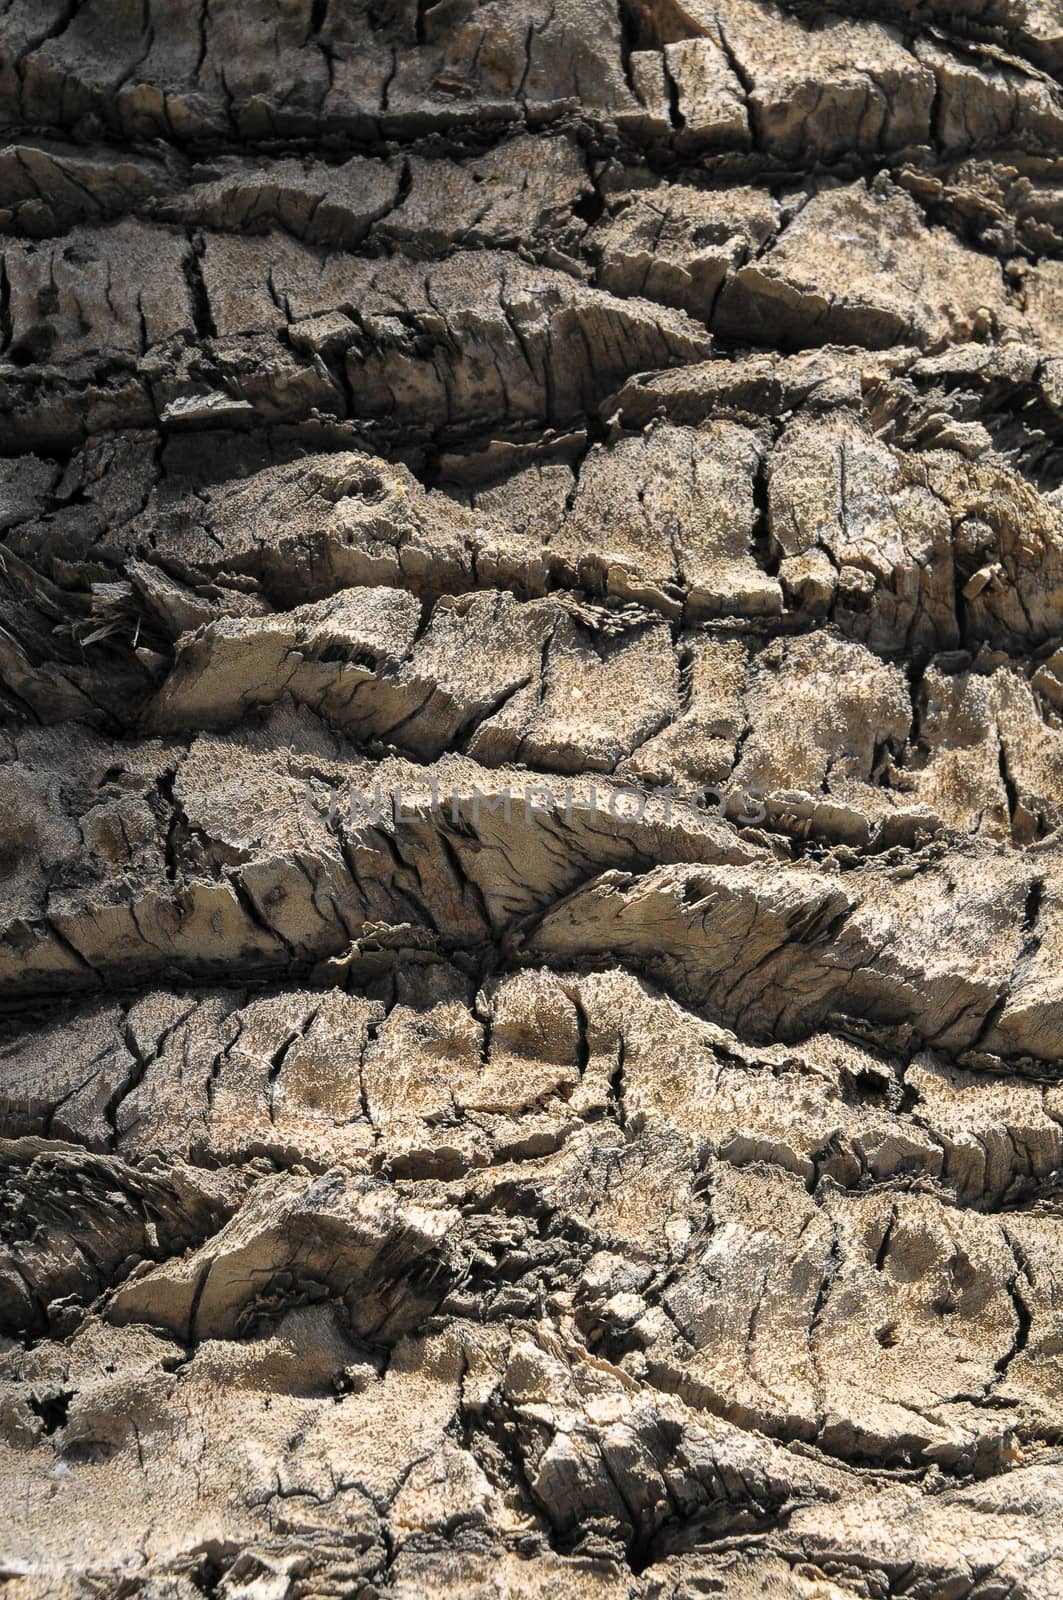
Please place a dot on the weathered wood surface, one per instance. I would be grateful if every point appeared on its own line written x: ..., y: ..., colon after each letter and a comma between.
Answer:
x: 440, y: 1159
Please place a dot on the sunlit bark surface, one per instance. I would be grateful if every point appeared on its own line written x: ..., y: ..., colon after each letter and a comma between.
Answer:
x: 440, y: 1159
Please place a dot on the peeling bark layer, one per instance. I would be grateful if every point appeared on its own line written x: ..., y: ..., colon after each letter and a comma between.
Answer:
x: 531, y: 760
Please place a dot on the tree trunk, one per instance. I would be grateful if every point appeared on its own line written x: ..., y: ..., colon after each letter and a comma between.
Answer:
x: 531, y: 665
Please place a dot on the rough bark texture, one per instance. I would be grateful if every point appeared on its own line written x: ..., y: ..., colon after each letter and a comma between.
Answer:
x: 575, y: 1194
